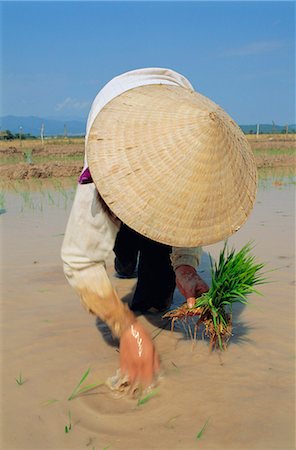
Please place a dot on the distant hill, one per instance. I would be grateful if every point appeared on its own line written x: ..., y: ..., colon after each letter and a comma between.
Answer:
x: 32, y: 125
x: 55, y: 127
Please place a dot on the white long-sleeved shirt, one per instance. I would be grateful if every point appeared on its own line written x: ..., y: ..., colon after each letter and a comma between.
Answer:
x: 90, y: 233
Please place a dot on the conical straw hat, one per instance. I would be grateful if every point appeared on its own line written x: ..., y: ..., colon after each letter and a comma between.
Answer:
x: 172, y: 165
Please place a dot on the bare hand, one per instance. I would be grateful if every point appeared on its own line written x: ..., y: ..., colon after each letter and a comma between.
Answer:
x: 190, y: 284
x: 138, y: 357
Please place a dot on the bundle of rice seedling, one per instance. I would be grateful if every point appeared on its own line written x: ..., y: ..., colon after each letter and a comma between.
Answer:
x: 233, y: 278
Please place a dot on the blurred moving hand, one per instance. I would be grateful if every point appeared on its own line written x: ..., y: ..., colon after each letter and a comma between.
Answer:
x: 138, y: 357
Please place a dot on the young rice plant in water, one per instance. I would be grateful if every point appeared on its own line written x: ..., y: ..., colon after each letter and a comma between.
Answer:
x: 234, y: 276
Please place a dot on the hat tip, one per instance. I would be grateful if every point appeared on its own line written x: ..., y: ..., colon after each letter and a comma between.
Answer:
x: 213, y: 116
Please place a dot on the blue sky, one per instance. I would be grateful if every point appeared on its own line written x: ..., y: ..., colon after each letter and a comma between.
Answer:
x: 57, y: 55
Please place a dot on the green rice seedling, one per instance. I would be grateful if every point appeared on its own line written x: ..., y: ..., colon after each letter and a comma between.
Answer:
x: 20, y: 380
x: 201, y: 432
x: 233, y: 278
x: 68, y: 427
x: 79, y: 390
x: 50, y: 198
x: 27, y: 200
x: 49, y: 402
x: 2, y: 200
x: 147, y: 397
x: 171, y: 422
x: 28, y: 156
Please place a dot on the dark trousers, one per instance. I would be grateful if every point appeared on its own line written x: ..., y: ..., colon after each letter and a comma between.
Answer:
x: 156, y: 277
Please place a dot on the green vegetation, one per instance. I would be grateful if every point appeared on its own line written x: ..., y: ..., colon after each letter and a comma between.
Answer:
x: 35, y: 159
x: 49, y: 402
x: 37, y: 194
x: 147, y: 397
x: 2, y: 200
x: 280, y: 177
x: 7, y: 135
x: 275, y: 151
x: 234, y: 276
x: 171, y: 422
x: 69, y: 426
x: 20, y: 380
x: 201, y: 432
x: 79, y: 390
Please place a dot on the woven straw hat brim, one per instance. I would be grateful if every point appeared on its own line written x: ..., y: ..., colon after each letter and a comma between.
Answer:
x: 172, y: 165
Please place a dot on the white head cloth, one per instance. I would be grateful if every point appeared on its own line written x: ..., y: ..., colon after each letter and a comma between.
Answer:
x: 130, y: 80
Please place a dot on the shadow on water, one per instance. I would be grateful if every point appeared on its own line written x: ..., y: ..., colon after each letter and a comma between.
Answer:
x: 240, y: 333
x: 185, y: 329
x: 105, y: 331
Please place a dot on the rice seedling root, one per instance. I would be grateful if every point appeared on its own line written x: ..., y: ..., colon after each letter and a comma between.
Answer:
x: 234, y: 276
x: 216, y: 336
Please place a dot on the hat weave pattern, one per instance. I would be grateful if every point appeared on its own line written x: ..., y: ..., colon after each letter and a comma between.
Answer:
x: 172, y: 165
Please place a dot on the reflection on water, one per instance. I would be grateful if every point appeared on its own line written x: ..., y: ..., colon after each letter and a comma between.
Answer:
x: 2, y: 203
x: 276, y: 177
x: 37, y: 194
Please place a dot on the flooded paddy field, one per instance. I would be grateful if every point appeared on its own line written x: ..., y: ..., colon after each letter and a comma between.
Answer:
x: 245, y: 395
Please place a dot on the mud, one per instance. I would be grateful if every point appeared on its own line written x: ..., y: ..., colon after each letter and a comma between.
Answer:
x: 246, y: 395
x: 23, y: 171
x: 60, y: 154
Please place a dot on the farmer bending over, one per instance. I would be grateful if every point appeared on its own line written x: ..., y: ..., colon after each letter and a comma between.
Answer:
x: 166, y: 171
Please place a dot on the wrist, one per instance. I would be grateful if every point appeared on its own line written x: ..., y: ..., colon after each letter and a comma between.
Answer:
x: 185, y: 268
x: 123, y: 322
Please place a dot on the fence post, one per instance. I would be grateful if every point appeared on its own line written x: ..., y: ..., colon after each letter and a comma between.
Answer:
x: 42, y: 133
x: 21, y: 132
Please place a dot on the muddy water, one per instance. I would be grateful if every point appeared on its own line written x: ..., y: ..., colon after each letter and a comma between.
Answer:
x: 245, y: 394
